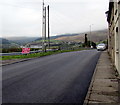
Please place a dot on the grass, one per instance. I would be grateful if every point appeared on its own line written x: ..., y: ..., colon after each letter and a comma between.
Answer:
x: 54, y: 41
x: 36, y: 54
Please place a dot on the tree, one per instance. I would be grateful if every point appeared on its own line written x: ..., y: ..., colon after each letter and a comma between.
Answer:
x: 86, y: 40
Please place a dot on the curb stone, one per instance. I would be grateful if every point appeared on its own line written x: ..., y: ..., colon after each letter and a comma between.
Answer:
x: 91, y: 85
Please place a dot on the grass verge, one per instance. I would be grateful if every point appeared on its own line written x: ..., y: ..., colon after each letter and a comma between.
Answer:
x: 36, y: 54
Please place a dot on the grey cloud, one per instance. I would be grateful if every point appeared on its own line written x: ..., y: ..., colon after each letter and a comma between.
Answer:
x: 24, y: 17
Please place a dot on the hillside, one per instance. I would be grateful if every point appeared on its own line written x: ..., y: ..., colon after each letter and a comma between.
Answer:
x: 21, y: 40
x: 4, y: 43
x: 59, y: 36
x: 96, y: 36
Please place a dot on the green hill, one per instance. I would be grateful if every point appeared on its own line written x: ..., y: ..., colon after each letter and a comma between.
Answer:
x: 4, y: 43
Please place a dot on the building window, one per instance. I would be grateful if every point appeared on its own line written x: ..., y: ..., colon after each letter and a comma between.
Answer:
x: 113, y: 18
x: 116, y: 29
x: 116, y: 12
x: 119, y: 2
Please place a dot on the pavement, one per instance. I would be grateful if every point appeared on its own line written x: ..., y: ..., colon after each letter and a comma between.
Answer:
x: 60, y: 78
x: 104, y: 85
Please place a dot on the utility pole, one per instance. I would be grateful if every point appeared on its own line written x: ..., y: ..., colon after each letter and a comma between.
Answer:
x: 45, y: 23
x: 45, y: 32
x: 43, y: 26
x: 48, y: 29
x: 90, y: 35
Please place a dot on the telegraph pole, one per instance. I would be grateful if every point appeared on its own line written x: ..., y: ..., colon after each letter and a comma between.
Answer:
x: 45, y: 32
x: 45, y: 23
x: 90, y: 35
x: 48, y: 29
x: 43, y: 26
x: 44, y: 29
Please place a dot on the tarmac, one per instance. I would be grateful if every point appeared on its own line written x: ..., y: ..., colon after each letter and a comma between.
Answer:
x: 104, y: 85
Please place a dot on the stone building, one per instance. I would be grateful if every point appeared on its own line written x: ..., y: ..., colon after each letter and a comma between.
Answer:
x: 113, y: 18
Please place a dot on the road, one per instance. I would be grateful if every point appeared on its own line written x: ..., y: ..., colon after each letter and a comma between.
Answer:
x: 60, y: 78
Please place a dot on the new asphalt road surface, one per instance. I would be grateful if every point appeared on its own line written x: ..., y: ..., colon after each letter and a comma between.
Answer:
x: 60, y: 78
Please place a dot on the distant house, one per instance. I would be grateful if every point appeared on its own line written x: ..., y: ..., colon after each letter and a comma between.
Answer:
x: 22, y: 46
x: 35, y: 46
x: 113, y: 18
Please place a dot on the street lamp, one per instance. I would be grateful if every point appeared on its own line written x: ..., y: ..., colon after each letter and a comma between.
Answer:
x: 90, y: 34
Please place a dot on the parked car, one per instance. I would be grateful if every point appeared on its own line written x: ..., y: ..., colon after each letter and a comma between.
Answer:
x: 101, y: 47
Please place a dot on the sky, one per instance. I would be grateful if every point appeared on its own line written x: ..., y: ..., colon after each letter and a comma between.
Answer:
x: 24, y: 17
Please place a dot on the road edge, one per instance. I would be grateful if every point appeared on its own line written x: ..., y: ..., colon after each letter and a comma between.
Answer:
x: 17, y: 61
x: 91, y: 84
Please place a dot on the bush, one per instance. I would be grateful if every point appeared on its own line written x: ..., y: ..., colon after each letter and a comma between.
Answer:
x: 8, y: 50
x: 34, y: 49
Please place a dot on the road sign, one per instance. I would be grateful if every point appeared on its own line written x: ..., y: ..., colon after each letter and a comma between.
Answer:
x: 25, y: 50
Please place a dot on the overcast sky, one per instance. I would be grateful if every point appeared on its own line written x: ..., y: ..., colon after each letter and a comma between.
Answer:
x: 24, y: 17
